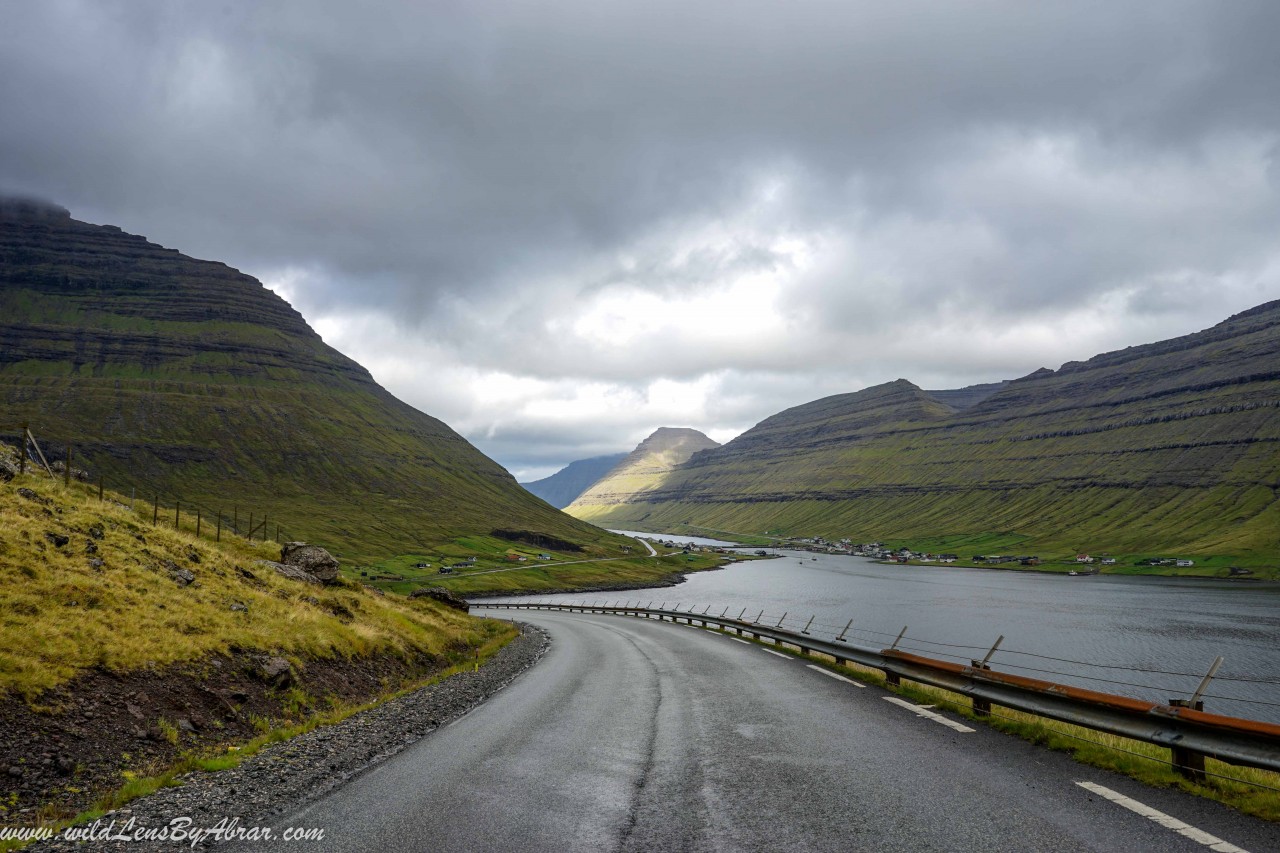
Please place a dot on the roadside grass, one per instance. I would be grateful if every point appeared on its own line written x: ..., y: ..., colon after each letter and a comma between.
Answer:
x: 87, y: 583
x: 227, y: 756
x: 1246, y: 789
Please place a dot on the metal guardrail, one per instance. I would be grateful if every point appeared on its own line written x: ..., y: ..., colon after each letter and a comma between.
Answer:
x: 1189, y: 733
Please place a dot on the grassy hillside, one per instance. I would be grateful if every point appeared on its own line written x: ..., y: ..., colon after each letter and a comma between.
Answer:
x: 87, y: 583
x: 1169, y: 448
x: 187, y: 379
x: 642, y: 470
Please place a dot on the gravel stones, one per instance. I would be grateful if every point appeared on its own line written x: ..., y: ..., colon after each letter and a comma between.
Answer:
x: 181, y: 576
x: 285, y: 775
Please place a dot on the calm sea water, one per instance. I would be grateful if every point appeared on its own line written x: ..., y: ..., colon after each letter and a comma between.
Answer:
x: 1089, y: 630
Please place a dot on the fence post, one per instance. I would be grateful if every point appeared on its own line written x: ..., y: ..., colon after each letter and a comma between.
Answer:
x: 264, y: 527
x: 22, y: 454
x: 177, y: 513
x: 250, y: 536
x: 218, y: 535
x: 235, y: 520
x: 101, y: 485
x: 155, y: 511
x: 35, y: 445
x: 197, y: 523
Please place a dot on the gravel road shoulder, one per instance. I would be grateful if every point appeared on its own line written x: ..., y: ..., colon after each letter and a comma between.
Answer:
x: 283, y: 776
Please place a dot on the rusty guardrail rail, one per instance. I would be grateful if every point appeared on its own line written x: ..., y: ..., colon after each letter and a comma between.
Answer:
x: 1189, y: 733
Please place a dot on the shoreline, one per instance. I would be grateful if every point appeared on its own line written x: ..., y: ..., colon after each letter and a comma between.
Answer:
x: 1078, y: 573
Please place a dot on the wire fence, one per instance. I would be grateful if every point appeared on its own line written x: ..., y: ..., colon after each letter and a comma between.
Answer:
x: 59, y: 461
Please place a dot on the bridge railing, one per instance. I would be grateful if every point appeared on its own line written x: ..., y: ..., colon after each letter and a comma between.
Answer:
x: 1190, y: 733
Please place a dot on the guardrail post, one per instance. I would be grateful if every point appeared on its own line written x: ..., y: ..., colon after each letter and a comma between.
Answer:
x: 840, y: 639
x: 982, y: 707
x: 1189, y: 764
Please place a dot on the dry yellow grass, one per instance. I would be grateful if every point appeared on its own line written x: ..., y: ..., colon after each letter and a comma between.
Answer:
x: 61, y: 613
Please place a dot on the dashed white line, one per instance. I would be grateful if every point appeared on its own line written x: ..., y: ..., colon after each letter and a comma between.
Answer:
x: 837, y: 676
x: 1213, y: 842
x: 779, y: 654
x: 923, y: 711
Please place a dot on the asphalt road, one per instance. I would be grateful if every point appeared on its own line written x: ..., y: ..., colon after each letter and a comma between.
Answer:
x: 639, y: 735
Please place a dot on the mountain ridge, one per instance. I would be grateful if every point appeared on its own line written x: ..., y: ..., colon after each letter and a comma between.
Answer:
x: 644, y: 468
x: 1163, y: 446
x: 196, y: 382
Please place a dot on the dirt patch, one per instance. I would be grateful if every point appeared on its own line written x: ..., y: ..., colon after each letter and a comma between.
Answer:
x: 74, y: 742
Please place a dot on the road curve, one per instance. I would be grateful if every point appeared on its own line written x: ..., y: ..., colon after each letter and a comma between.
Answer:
x: 637, y: 735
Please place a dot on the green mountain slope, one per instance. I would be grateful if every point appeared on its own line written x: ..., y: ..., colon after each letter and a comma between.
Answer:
x: 642, y: 471
x: 1168, y: 447
x: 188, y: 379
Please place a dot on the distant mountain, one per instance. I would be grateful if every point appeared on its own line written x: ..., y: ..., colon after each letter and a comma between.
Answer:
x: 188, y: 379
x: 641, y: 471
x: 966, y: 398
x: 562, y: 487
x: 1167, y: 447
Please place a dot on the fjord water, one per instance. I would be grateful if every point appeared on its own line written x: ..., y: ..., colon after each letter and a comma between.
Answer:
x: 1131, y: 630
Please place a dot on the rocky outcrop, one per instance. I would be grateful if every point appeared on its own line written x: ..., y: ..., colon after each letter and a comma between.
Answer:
x: 293, y: 573
x: 533, y: 537
x: 442, y: 595
x: 311, y: 559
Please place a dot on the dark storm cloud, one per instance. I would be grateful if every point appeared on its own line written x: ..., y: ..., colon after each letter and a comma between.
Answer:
x: 499, y: 178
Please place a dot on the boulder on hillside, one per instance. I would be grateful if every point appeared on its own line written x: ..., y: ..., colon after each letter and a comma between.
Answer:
x: 290, y: 572
x: 276, y: 671
x: 442, y: 595
x: 311, y: 559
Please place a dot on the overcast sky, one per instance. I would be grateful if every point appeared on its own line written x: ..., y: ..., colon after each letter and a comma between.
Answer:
x: 560, y: 225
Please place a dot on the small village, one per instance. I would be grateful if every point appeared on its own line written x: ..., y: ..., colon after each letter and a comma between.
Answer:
x: 1082, y: 563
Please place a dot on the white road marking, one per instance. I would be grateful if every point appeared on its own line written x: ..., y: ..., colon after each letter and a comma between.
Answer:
x: 837, y: 676
x: 1213, y: 842
x: 779, y: 654
x: 739, y: 640
x: 925, y: 712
